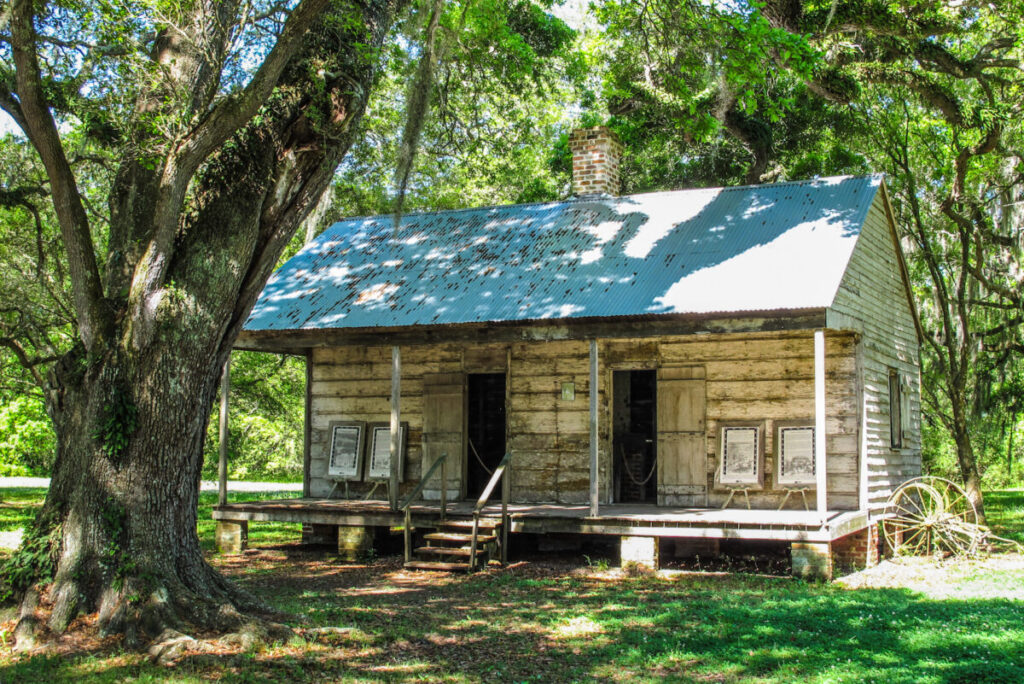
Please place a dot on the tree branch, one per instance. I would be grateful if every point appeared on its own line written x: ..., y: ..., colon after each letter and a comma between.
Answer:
x: 93, y: 316
x: 207, y: 136
x: 27, y: 363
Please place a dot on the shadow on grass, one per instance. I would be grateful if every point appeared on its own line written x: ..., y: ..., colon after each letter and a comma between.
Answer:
x: 530, y: 625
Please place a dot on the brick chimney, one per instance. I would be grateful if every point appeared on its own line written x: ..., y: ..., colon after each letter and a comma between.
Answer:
x: 595, y: 161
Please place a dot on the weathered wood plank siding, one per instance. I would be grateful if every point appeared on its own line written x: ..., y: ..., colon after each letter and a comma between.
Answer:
x: 872, y: 300
x: 753, y: 376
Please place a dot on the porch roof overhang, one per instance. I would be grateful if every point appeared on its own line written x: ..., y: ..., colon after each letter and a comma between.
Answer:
x: 302, y: 340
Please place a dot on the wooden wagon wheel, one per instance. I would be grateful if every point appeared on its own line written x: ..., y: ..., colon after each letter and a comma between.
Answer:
x: 927, y: 515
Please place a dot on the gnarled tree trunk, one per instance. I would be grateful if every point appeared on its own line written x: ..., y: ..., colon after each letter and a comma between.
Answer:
x: 131, y: 402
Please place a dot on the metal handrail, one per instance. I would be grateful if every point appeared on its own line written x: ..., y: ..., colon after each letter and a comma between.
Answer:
x: 482, y: 501
x: 406, y: 504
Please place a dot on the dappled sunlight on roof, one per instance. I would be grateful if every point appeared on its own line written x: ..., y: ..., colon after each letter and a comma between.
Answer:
x: 780, y: 246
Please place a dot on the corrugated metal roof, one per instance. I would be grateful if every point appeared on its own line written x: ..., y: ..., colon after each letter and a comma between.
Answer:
x: 765, y: 247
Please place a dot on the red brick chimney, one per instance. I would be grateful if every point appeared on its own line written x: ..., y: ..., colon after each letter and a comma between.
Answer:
x: 595, y: 161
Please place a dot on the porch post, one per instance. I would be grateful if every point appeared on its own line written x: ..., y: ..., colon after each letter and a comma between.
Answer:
x: 222, y: 467
x: 821, y: 482
x: 396, y: 423
x: 593, y: 429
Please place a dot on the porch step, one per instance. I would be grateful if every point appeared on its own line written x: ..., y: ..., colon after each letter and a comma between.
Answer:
x: 485, y: 524
x: 436, y: 565
x: 450, y: 543
x: 460, y: 538
x: 445, y: 551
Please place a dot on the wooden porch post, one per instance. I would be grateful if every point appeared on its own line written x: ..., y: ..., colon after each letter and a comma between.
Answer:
x: 593, y: 430
x: 396, y: 423
x: 821, y: 481
x: 222, y: 467
x: 307, y: 426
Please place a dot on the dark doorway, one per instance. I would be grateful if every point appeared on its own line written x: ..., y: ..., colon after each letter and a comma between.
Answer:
x: 634, y: 469
x: 485, y: 429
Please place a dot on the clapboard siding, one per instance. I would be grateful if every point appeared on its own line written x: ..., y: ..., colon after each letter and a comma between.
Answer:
x: 758, y: 376
x: 872, y: 299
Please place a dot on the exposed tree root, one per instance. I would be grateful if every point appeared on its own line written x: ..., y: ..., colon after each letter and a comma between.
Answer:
x: 167, y: 618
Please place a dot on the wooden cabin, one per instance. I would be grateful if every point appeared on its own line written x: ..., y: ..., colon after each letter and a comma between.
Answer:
x: 725, y: 363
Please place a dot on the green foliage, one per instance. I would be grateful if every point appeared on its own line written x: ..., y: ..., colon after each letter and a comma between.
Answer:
x: 266, y: 418
x: 34, y: 561
x: 27, y: 440
x: 116, y: 558
x: 118, y: 423
x: 505, y: 77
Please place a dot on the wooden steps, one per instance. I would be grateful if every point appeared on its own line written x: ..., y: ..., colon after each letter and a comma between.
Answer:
x: 434, y: 565
x: 464, y: 538
x: 441, y: 551
x: 449, y: 548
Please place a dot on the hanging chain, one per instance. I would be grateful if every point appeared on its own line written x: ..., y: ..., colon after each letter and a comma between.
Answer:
x: 480, y: 460
x: 638, y: 483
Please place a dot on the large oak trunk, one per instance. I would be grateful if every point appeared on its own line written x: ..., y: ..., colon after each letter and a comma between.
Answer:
x: 131, y: 411
x: 125, y: 494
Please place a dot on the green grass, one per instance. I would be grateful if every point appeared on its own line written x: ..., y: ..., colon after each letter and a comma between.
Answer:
x: 1004, y: 509
x: 18, y: 506
x: 538, y: 622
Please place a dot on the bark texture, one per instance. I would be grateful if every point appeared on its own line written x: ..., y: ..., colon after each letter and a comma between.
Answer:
x: 131, y: 402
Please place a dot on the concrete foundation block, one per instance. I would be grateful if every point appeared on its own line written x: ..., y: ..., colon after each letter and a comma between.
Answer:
x: 320, y: 534
x: 232, y: 536
x: 812, y: 560
x: 638, y: 553
x: 354, y: 543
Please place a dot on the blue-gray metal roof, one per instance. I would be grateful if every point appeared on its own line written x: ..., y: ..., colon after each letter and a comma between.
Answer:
x: 767, y: 247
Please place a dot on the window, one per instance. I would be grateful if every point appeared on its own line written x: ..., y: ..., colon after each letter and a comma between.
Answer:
x: 895, y: 410
x: 741, y: 455
x: 796, y: 455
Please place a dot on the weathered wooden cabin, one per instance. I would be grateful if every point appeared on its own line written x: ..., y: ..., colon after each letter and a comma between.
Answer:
x: 725, y: 363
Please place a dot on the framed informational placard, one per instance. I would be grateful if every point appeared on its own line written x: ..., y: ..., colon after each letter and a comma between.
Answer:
x: 796, y: 455
x: 740, y: 456
x: 345, y: 460
x: 380, y: 451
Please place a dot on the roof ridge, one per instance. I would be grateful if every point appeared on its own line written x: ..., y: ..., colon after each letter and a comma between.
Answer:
x: 591, y: 198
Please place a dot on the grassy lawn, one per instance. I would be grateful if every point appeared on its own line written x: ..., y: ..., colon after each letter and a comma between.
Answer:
x: 548, y: 621
x: 1005, y: 511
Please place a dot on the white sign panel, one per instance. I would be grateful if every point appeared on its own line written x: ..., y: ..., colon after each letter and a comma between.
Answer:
x: 346, y: 458
x: 380, y: 452
x: 739, y: 455
x: 796, y: 455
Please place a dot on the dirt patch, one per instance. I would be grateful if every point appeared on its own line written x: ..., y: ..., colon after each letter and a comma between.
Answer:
x: 995, y: 576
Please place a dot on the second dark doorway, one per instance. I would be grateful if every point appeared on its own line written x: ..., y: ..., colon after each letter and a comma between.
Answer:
x: 634, y: 464
x: 485, y: 428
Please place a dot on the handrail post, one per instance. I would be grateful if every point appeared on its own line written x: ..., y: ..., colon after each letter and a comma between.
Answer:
x: 444, y: 486
x: 406, y: 504
x: 407, y: 532
x: 472, y: 542
x: 506, y: 492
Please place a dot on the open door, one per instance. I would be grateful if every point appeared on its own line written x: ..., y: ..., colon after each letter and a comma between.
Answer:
x: 444, y: 411
x: 682, y: 444
x: 634, y: 462
x: 485, y: 425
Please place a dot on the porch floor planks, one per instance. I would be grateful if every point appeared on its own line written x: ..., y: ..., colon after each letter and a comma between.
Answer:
x: 614, y: 519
